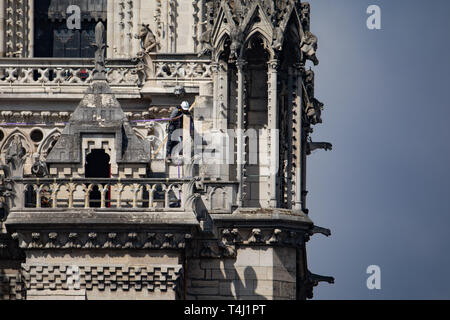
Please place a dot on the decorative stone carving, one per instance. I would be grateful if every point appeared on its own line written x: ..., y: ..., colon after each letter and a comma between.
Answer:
x: 102, y: 240
x: 17, y: 29
x: 305, y: 11
x: 15, y: 156
x: 237, y: 40
x: 104, y: 277
x: 205, y: 39
x: 100, y: 49
x: 147, y: 39
x: 313, y: 107
x: 148, y: 43
x: 308, y: 46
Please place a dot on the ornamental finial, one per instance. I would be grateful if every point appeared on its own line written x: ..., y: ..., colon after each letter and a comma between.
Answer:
x: 100, y: 46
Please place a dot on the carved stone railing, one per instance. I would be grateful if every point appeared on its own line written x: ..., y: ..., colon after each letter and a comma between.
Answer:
x: 63, y: 72
x: 83, y: 193
x: 34, y: 78
x: 180, y: 67
x: 30, y: 78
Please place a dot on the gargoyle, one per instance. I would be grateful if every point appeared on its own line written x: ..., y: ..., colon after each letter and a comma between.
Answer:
x: 305, y: 14
x: 237, y: 39
x: 314, y: 110
x: 324, y: 231
x: 39, y: 168
x: 148, y: 39
x: 311, y: 146
x: 314, y: 279
x: 278, y: 38
x: 308, y: 47
x: 205, y: 40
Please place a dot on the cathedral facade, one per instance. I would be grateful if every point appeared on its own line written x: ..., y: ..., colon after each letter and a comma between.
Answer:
x: 91, y: 207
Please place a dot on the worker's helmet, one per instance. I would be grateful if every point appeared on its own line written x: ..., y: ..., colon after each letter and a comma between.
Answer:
x: 185, y: 106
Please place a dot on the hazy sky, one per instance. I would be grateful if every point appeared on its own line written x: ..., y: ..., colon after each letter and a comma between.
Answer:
x: 384, y: 190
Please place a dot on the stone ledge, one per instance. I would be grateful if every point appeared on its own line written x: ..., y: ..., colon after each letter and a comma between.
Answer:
x: 87, y: 217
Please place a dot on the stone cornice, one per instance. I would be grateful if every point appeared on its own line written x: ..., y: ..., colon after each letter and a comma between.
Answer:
x: 48, y: 240
x: 229, y: 239
x: 60, y: 117
x: 96, y: 218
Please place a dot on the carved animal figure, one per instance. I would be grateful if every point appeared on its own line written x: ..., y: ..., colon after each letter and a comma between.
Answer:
x: 148, y: 39
x: 318, y: 145
x: 205, y: 40
x: 39, y: 168
x: 314, y: 111
x: 278, y: 38
x: 308, y: 47
x: 237, y: 39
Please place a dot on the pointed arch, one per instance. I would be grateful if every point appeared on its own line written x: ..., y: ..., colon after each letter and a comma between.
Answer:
x: 48, y: 142
x: 256, y: 34
x: 221, y: 44
x: 17, y: 132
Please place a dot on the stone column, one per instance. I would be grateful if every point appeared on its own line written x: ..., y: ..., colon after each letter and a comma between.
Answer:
x: 298, y: 136
x: 240, y: 64
x: 136, y: 25
x: 2, y: 28
x: 187, y: 143
x: 273, y: 130
x: 290, y: 123
x: 222, y: 97
x: 110, y: 30
x: 31, y: 28
x: 215, y: 76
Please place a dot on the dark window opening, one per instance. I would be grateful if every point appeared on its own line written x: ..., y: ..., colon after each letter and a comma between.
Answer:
x: 97, y: 166
x: 53, y: 38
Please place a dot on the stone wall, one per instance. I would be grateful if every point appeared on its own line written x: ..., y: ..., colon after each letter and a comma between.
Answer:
x: 102, y: 275
x: 256, y: 273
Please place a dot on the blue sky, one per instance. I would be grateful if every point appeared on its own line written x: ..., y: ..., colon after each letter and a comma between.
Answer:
x: 384, y: 190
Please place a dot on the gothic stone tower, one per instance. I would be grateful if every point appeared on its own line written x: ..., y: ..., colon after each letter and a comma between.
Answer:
x: 89, y: 206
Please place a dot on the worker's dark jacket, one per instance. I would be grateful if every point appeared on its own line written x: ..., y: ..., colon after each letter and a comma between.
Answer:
x: 175, y: 124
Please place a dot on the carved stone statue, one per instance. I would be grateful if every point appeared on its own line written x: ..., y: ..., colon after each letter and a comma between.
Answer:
x: 237, y: 39
x: 305, y: 14
x: 308, y: 47
x: 314, y: 107
x: 278, y: 37
x: 205, y: 40
x: 15, y: 156
x: 148, y: 39
x: 149, y: 43
x: 39, y: 168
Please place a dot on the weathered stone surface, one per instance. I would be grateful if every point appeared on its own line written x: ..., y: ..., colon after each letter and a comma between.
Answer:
x: 152, y: 229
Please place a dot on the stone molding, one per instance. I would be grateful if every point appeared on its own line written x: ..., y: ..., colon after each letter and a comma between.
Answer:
x: 11, y: 287
x: 101, y: 240
x: 231, y: 238
x: 102, y: 277
x: 64, y: 116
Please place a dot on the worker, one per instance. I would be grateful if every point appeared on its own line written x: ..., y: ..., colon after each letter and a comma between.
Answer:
x: 175, y: 123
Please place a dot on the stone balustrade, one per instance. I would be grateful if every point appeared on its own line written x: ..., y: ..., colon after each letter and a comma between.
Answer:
x: 30, y: 78
x: 150, y: 194
x: 63, y: 72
